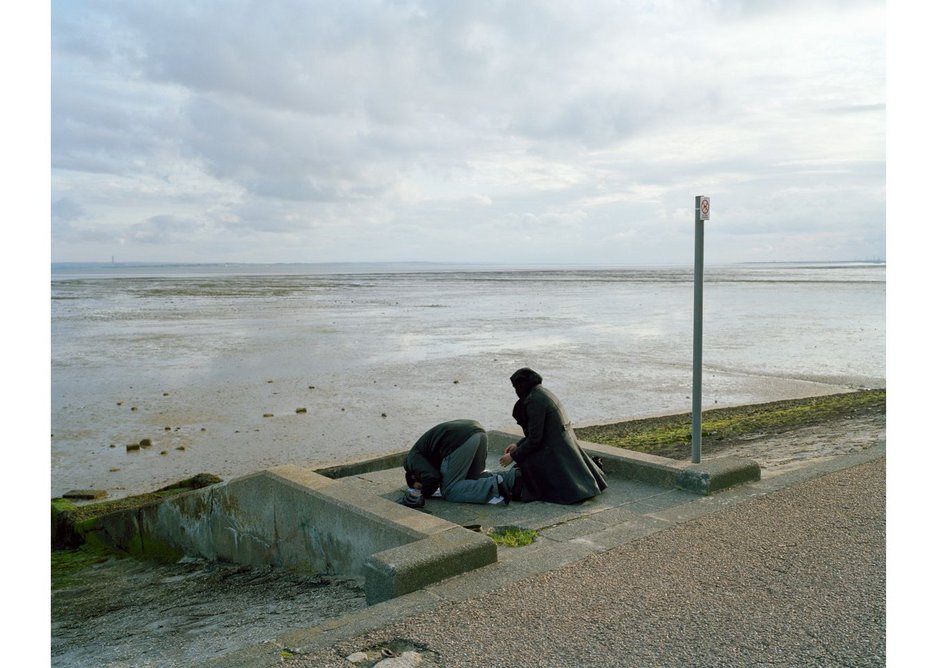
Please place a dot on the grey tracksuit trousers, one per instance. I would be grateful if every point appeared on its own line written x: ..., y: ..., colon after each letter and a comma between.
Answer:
x: 463, y: 477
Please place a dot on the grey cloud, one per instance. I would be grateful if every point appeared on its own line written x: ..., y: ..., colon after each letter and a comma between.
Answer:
x: 67, y: 221
x: 751, y: 9
x: 166, y: 229
x: 66, y: 210
x: 303, y: 124
x: 284, y: 155
x: 97, y: 127
x: 879, y: 108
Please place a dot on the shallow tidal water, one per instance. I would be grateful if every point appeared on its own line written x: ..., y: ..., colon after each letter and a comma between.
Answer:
x: 232, y: 369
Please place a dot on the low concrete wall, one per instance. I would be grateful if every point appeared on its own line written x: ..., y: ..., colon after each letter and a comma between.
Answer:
x: 404, y: 569
x: 704, y: 478
x: 297, y: 519
x: 333, y: 521
x: 393, y: 460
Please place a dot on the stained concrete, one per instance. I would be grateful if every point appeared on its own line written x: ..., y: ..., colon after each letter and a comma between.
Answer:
x: 345, y: 519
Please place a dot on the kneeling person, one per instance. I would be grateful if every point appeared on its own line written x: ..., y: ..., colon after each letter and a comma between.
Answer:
x: 451, y: 457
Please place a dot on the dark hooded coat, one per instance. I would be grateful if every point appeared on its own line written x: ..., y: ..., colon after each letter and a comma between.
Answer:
x: 554, y: 467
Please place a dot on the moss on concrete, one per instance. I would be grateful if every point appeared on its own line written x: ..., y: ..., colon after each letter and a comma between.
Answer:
x: 149, y: 548
x: 67, y: 563
x: 512, y: 536
x: 670, y: 435
x: 75, y: 543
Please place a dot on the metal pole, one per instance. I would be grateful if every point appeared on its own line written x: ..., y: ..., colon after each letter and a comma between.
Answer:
x: 698, y: 327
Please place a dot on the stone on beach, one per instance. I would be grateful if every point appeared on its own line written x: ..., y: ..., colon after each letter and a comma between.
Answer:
x: 85, y: 494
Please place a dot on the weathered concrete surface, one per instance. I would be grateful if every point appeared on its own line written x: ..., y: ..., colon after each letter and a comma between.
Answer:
x: 704, y: 478
x: 717, y: 474
x: 294, y: 518
x: 628, y: 512
x: 404, y: 569
x: 782, y: 573
x: 344, y: 519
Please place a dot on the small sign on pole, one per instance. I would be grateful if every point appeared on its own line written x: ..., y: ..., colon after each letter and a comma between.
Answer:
x: 702, y: 212
x: 704, y: 207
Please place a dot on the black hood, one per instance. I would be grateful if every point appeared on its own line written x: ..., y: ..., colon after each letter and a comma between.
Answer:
x: 524, y: 380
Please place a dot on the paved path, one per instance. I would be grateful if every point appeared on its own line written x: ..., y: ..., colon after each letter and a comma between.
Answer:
x: 792, y: 577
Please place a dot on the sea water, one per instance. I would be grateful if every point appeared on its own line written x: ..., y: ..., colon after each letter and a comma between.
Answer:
x: 229, y: 369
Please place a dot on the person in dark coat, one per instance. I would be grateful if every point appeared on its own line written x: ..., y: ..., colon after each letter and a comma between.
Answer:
x: 553, y: 466
x: 451, y: 457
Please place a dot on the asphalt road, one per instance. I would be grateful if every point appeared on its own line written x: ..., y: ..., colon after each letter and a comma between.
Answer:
x: 793, y: 578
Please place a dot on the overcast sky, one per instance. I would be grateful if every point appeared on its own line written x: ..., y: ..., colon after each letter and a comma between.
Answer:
x: 515, y: 131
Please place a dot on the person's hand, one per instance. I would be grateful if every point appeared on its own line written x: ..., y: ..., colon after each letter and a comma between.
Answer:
x: 506, y: 459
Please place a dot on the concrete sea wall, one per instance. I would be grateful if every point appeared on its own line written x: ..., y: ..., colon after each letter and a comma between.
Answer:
x: 341, y: 519
x: 295, y: 518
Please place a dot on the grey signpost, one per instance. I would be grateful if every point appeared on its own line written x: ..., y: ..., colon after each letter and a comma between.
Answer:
x: 702, y: 212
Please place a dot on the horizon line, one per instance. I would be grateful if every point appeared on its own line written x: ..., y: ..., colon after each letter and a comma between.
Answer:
x: 164, y: 263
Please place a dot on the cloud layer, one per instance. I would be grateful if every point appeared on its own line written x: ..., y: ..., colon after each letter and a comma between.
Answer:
x: 455, y: 131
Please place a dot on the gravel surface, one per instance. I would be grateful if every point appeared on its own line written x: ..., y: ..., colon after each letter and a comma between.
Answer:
x: 794, y: 578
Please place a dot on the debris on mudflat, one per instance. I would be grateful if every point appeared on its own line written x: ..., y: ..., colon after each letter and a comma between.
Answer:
x: 85, y: 494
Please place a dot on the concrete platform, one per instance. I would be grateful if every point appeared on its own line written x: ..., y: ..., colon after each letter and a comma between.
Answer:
x: 344, y: 519
x: 638, y: 485
x: 553, y: 549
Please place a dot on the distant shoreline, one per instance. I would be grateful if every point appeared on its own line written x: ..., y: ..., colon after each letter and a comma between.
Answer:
x: 78, y: 270
x: 428, y: 263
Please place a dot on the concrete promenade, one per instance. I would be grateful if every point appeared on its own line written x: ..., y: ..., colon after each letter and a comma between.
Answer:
x: 787, y: 571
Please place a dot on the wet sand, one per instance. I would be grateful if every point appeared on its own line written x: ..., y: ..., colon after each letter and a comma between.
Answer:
x: 214, y: 369
x: 238, y: 428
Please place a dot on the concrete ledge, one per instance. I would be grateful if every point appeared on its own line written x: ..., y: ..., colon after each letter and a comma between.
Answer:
x: 294, y: 518
x: 704, y: 478
x: 365, y: 465
x: 717, y: 474
x: 633, y: 465
x: 710, y: 476
x: 404, y: 569
x: 338, y: 520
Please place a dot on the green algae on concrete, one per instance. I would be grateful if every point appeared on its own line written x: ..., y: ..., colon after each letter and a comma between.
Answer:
x: 512, y: 536
x: 67, y: 563
x: 77, y: 545
x: 69, y: 519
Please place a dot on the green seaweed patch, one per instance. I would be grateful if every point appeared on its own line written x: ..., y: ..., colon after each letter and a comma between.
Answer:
x: 512, y: 536
x: 669, y: 436
x: 67, y: 563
